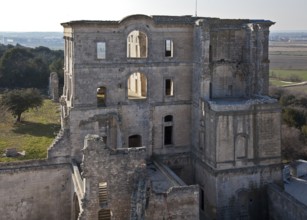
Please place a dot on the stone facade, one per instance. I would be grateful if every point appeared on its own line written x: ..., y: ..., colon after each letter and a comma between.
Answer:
x: 182, y: 87
x: 168, y: 117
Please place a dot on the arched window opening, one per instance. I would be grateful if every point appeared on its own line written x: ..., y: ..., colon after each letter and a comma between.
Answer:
x: 101, y: 96
x: 168, y: 130
x: 137, y: 86
x: 137, y: 44
x: 104, y: 214
x: 135, y: 141
x: 168, y: 118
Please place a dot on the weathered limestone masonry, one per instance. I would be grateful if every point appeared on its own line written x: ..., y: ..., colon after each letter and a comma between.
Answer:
x: 236, y: 127
x: 193, y: 91
x: 36, y: 190
x: 163, y: 117
x: 118, y: 170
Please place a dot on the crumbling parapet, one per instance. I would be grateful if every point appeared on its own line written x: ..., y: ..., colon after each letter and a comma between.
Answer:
x: 60, y: 145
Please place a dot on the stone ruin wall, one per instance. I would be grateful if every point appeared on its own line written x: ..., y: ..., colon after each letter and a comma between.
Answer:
x: 35, y: 190
x: 121, y: 169
x: 236, y: 192
x: 178, y: 203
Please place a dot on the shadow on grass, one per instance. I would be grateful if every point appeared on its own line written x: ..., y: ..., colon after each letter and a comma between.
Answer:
x: 36, y: 129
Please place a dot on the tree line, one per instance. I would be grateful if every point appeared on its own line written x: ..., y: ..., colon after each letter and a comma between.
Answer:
x: 23, y: 67
x: 23, y: 72
x: 294, y: 122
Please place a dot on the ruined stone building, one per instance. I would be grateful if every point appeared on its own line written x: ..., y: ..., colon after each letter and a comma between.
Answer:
x: 163, y: 117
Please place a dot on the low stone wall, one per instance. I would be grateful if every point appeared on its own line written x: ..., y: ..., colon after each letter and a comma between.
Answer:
x: 35, y: 190
x: 282, y: 206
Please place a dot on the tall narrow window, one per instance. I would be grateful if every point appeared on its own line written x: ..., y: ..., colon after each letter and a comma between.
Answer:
x: 202, y: 199
x: 203, y: 108
x: 101, y: 96
x: 168, y: 48
x: 137, y: 44
x: 168, y: 130
x: 101, y: 50
x: 103, y: 194
x: 210, y: 53
x: 168, y: 87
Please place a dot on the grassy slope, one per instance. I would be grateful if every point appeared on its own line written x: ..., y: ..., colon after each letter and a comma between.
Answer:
x: 287, y: 73
x: 34, y: 134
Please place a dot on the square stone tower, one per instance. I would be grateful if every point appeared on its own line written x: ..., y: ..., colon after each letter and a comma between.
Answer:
x: 236, y: 126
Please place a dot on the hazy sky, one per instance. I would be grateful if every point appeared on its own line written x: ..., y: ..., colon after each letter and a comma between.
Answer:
x: 40, y: 15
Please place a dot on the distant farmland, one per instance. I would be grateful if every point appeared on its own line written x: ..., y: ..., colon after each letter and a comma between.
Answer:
x: 288, y: 55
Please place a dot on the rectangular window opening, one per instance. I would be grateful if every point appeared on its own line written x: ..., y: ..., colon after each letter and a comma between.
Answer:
x: 101, y: 50
x: 168, y: 133
x: 168, y: 48
x: 169, y: 87
x: 104, y: 214
x: 202, y: 200
x: 103, y: 195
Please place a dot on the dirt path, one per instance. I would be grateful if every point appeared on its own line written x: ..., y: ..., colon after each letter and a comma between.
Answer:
x: 294, y: 84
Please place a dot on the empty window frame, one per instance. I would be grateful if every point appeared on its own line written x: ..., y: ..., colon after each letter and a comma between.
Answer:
x: 202, y: 200
x: 135, y: 141
x: 169, y: 91
x: 168, y: 130
x: 137, y: 86
x: 168, y: 48
x: 101, y: 96
x: 101, y: 50
x: 103, y: 193
x: 104, y: 214
x: 137, y: 44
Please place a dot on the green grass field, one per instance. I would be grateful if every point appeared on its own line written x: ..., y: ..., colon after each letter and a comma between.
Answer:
x: 33, y: 135
x: 287, y: 74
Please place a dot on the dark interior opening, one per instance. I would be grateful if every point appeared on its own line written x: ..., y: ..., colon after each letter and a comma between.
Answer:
x: 135, y: 141
x: 168, y: 132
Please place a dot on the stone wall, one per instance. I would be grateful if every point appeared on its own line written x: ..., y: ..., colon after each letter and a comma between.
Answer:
x: 121, y: 169
x: 283, y: 206
x: 35, y: 190
x: 236, y: 193
x: 180, y: 202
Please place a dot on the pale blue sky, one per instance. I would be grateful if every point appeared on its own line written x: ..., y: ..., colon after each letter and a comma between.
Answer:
x: 40, y: 15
